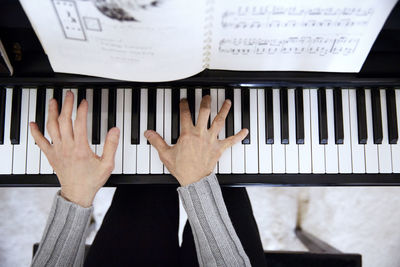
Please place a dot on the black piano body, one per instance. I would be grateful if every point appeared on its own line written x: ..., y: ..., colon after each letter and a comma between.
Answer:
x: 32, y: 69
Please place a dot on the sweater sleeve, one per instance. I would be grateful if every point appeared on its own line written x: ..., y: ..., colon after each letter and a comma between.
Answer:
x: 63, y: 240
x: 215, y: 238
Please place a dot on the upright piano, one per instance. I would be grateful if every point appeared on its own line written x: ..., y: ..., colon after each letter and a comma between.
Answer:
x: 306, y: 128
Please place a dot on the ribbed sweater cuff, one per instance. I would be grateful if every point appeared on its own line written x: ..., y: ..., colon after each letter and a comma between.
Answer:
x: 215, y: 238
x: 64, y: 236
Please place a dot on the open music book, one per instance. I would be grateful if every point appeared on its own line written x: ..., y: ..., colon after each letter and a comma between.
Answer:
x: 163, y: 40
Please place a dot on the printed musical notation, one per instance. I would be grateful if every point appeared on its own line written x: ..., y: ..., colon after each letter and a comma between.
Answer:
x: 304, y: 45
x: 255, y: 17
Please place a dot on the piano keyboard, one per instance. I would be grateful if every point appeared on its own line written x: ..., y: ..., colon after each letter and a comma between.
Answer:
x: 292, y: 130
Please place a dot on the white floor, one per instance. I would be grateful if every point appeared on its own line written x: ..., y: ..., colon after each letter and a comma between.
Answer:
x: 357, y: 220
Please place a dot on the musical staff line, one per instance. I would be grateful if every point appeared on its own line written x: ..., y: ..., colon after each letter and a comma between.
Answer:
x: 306, y: 45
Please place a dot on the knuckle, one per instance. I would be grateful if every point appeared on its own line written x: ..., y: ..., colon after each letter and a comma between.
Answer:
x: 219, y: 119
x: 62, y: 119
x: 109, y: 166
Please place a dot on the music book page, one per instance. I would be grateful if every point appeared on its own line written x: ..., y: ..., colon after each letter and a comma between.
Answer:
x: 158, y: 40
x: 293, y: 35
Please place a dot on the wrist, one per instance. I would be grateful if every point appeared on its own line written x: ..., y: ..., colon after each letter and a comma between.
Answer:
x: 83, y: 199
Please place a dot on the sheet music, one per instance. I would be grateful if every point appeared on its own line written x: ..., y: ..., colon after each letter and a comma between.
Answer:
x: 307, y: 35
x: 136, y: 40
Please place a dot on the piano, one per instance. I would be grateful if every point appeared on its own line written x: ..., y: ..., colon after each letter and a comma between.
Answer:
x: 306, y: 128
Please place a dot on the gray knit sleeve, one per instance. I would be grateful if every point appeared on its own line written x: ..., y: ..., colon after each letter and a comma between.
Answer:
x: 63, y: 241
x: 215, y: 238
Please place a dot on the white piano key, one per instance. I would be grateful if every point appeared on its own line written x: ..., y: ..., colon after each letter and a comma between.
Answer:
x: 344, y: 150
x: 357, y: 150
x: 6, y: 149
x: 89, y: 99
x: 33, y: 151
x: 292, y: 152
x: 225, y: 161
x: 371, y: 150
x: 251, y: 150
x: 237, y: 149
x: 198, y: 97
x: 305, y: 154
x: 119, y: 123
x: 384, y: 149
x: 74, y: 109
x: 214, y: 104
x: 103, y: 122
x: 264, y: 150
x: 396, y: 147
x: 19, y: 154
x: 331, y: 150
x: 156, y: 166
x: 278, y: 150
x: 129, y: 158
x: 214, y: 112
x: 318, y: 151
x: 167, y: 119
x: 45, y: 167
x: 143, y: 149
x: 183, y: 92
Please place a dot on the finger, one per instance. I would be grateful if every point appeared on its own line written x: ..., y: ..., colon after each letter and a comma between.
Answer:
x: 156, y: 140
x: 186, y: 119
x: 40, y: 140
x: 80, y: 124
x: 110, y: 146
x: 230, y: 141
x: 219, y: 120
x: 204, y: 112
x: 52, y: 122
x: 65, y: 120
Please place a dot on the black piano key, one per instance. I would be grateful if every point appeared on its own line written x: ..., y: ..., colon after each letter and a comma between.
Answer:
x: 191, y: 98
x: 112, y: 108
x: 2, y: 113
x: 151, y: 110
x: 284, y: 116
x: 376, y: 115
x: 392, y: 116
x: 57, y: 95
x: 175, y: 116
x: 135, y: 119
x: 299, y: 110
x: 40, y: 108
x: 245, y: 97
x: 269, y: 116
x: 322, y: 117
x: 338, y: 115
x: 229, y: 128
x: 81, y: 96
x: 96, y: 120
x: 361, y: 117
x: 204, y: 93
x: 16, y: 116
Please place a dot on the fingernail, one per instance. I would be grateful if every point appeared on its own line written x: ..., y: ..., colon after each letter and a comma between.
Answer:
x: 228, y: 101
x: 147, y: 134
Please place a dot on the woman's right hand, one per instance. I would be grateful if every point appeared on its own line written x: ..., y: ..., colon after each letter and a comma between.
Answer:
x: 198, y: 149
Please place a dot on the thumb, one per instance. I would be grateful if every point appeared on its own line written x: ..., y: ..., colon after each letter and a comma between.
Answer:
x: 156, y: 140
x: 110, y: 145
x: 231, y: 140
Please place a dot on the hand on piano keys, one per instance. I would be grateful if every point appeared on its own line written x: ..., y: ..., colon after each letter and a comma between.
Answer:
x: 80, y: 171
x: 198, y: 149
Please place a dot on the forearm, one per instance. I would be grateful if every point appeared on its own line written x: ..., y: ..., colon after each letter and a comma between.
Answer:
x: 215, y: 238
x: 63, y: 241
